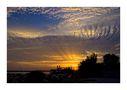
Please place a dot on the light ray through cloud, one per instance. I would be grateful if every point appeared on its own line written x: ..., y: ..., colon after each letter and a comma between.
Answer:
x: 44, y: 37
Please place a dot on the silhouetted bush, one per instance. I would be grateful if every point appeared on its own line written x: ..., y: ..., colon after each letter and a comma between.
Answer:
x: 61, y: 74
x: 35, y: 77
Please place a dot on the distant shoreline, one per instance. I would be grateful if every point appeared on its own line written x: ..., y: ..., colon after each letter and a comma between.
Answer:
x: 31, y: 71
x: 25, y: 72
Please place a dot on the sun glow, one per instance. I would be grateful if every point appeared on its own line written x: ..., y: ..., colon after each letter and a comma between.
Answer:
x: 72, y: 60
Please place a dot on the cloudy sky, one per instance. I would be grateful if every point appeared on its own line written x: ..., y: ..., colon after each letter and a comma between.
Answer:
x: 40, y: 38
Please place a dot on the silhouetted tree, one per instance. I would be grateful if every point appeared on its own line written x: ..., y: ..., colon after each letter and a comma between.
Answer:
x: 111, y: 59
x: 87, y: 68
x: 111, y: 66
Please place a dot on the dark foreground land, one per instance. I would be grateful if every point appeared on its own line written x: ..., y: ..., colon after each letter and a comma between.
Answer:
x: 88, y: 72
x: 39, y: 77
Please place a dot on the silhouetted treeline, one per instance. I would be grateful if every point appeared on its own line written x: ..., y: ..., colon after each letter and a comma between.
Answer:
x: 88, y: 71
x: 110, y: 68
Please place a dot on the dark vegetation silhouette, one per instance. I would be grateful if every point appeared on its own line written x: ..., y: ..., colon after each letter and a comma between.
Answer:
x: 87, y: 68
x: 88, y: 71
x: 61, y: 74
x: 35, y: 77
x: 110, y: 68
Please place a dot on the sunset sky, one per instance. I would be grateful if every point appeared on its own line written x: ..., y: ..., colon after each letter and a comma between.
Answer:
x: 40, y: 38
